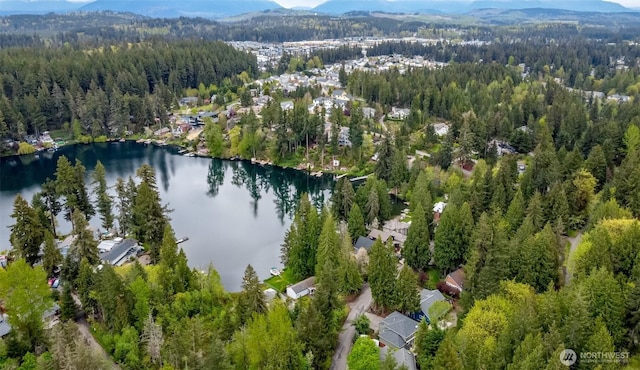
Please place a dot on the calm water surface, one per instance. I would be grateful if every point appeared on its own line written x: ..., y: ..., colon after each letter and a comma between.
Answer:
x: 233, y: 212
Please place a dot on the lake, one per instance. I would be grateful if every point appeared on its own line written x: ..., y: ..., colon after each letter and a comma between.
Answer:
x: 235, y: 213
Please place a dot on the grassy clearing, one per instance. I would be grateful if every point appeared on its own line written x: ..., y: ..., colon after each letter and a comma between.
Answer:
x: 280, y: 283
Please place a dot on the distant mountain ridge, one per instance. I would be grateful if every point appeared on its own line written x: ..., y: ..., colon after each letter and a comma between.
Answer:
x: 458, y: 7
x: 189, y: 8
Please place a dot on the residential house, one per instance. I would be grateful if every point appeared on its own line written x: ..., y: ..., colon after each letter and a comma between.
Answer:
x: 399, y: 113
x: 427, y: 299
x: 398, y: 226
x: 363, y: 242
x: 121, y: 252
x: 441, y: 129
x: 5, y: 328
x: 188, y: 100
x: 402, y: 356
x: 368, y: 113
x: 398, y: 239
x: 162, y: 132
x: 438, y: 208
x: 65, y: 245
x: 286, y: 105
x: 397, y: 331
x: 455, y: 280
x: 301, y: 289
x: 343, y: 136
x: 48, y: 318
x: 619, y: 98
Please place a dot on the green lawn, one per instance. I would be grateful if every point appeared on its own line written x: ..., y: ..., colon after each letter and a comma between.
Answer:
x: 280, y: 283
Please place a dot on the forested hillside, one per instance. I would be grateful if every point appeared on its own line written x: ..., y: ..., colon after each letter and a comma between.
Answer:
x: 101, y: 90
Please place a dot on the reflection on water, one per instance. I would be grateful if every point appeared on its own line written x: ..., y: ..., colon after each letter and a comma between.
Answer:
x: 233, y: 212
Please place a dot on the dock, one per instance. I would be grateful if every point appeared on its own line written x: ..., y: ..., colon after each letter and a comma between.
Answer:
x: 360, y: 178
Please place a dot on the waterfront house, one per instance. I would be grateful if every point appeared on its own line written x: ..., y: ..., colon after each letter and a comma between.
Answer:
x: 301, y: 289
x: 121, y: 252
x: 398, y: 331
x: 5, y: 328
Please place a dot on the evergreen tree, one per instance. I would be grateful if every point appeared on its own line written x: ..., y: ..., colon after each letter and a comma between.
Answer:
x: 351, y: 278
x: 447, y: 356
x: 148, y: 217
x: 104, y: 200
x: 539, y: 262
x: 557, y: 206
x: 214, y: 138
x: 51, y: 256
x: 428, y: 338
x: 51, y: 201
x: 453, y: 236
x: 596, y: 163
x: 535, y: 211
x: 67, y: 304
x: 84, y: 245
x: 385, y: 160
x: 301, y: 242
x: 373, y: 206
x: 421, y: 194
x: 317, y: 335
x: 70, y: 185
x: 126, y: 195
x: 382, y: 275
x: 251, y: 299
x: 416, y: 250
x: 27, y: 234
x: 407, y: 295
x: 356, y: 222
x: 515, y: 212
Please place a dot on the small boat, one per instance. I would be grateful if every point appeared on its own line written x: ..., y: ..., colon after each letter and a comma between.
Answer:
x: 147, y: 141
x: 140, y: 141
x: 51, y: 150
x: 190, y: 155
x: 274, y: 271
x: 182, y: 151
x: 182, y: 240
x: 122, y: 140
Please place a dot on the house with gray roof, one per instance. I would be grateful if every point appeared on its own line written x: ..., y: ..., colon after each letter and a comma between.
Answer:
x: 363, y: 242
x: 398, y: 331
x: 402, y: 356
x: 5, y: 328
x: 427, y: 299
x: 301, y: 289
x: 120, y: 253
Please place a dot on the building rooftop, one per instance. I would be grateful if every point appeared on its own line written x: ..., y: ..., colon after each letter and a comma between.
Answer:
x: 428, y: 298
x: 398, y: 330
x: 363, y: 242
x: 303, y: 285
x: 402, y: 356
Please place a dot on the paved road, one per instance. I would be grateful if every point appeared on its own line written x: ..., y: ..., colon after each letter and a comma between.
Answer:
x: 85, y: 331
x: 574, y: 244
x: 358, y: 307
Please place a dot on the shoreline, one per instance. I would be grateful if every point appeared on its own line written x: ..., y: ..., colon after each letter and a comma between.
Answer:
x: 185, y: 151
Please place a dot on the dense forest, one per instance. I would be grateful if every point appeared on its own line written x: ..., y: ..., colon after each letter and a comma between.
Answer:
x: 108, y: 90
x: 547, y: 233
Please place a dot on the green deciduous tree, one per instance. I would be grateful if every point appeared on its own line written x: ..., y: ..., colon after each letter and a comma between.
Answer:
x: 214, y: 138
x: 364, y: 355
x: 26, y: 297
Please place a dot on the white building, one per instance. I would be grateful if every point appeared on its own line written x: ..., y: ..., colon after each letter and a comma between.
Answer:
x: 301, y: 289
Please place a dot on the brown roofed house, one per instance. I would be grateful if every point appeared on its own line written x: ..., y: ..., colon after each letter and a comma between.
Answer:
x: 456, y: 279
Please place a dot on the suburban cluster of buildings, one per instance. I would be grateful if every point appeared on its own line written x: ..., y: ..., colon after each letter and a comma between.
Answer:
x: 269, y: 54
